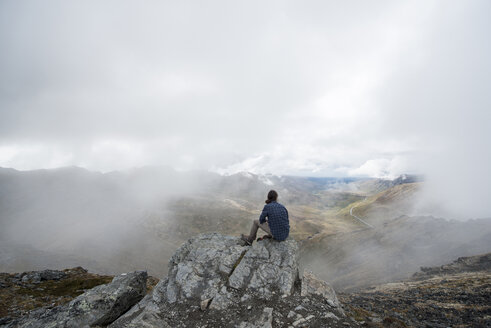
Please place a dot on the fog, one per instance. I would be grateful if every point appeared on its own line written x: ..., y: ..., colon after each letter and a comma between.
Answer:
x: 312, y: 89
x: 316, y: 89
x: 394, y: 251
x: 72, y: 217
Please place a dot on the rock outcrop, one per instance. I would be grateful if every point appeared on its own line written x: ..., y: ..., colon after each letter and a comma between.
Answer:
x: 311, y: 285
x: 214, y: 269
x: 213, y: 281
x: 99, y: 306
x: 267, y: 267
x: 36, y: 277
x: 462, y: 264
x: 200, y: 268
x: 217, y: 280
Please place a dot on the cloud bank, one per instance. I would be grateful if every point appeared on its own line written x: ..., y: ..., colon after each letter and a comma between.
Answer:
x: 319, y: 88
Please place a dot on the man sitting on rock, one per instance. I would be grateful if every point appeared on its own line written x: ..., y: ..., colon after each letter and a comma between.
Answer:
x: 277, y: 225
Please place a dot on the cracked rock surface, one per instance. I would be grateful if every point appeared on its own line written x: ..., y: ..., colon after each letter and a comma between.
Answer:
x: 214, y: 267
x: 213, y: 281
x: 269, y: 266
x: 311, y: 285
x: 99, y: 306
x: 201, y: 266
x: 217, y: 281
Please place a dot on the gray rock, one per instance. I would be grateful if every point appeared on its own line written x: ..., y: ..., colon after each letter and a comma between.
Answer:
x: 331, y: 303
x: 264, y: 320
x: 311, y: 285
x: 52, y: 275
x: 201, y: 266
x: 41, y: 318
x: 202, y: 274
x: 303, y: 322
x: 299, y: 322
x: 376, y: 319
x: 210, y: 272
x: 38, y: 276
x: 206, y: 264
x: 148, y: 312
x: 159, y: 292
x: 245, y: 298
x: 268, y: 266
x: 145, y: 314
x: 104, y: 304
x: 331, y: 315
x: 99, y: 306
x: 213, y: 271
x: 223, y: 299
x: 204, y: 304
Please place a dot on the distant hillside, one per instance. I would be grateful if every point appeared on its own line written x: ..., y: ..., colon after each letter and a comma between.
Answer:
x: 453, y: 295
x: 71, y: 216
x: 383, y: 206
x: 122, y: 221
x: 393, y: 250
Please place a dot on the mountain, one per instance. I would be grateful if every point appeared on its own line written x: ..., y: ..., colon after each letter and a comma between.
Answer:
x: 393, y: 250
x: 452, y: 295
x: 121, y: 221
x: 71, y: 216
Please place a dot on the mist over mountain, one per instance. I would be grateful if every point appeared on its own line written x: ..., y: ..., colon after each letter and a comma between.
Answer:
x: 120, y: 221
x: 127, y: 128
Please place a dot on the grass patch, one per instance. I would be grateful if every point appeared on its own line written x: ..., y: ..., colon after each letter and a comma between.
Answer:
x: 359, y: 314
x: 71, y: 287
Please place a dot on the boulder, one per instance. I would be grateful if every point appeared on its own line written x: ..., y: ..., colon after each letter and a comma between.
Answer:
x: 38, y: 276
x: 201, y: 267
x: 213, y: 280
x: 105, y: 303
x: 99, y: 306
x: 206, y: 266
x: 311, y: 285
x: 269, y: 267
x: 213, y: 272
x: 148, y: 312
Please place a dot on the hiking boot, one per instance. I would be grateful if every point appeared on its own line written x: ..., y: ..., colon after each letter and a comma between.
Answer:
x: 246, y: 239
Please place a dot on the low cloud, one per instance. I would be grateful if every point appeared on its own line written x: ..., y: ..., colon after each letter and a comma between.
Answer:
x: 314, y: 89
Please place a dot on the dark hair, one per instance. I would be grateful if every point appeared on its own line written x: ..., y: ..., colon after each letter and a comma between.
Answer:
x: 272, y: 196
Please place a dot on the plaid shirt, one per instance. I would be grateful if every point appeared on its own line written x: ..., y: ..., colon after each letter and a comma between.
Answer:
x: 277, y: 215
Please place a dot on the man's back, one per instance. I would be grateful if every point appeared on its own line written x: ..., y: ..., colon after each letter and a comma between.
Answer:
x: 278, y: 221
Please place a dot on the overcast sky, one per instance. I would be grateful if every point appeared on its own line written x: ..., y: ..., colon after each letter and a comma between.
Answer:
x: 326, y: 88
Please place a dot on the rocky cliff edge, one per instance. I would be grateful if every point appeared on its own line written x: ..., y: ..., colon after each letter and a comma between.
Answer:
x: 213, y: 281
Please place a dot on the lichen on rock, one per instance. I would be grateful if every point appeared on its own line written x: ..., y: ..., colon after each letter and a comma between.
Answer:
x: 100, y: 305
